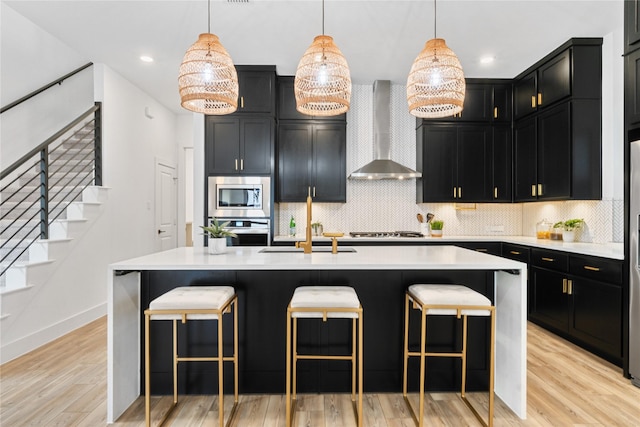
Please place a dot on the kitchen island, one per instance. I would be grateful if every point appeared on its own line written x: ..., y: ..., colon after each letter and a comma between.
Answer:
x: 265, y: 281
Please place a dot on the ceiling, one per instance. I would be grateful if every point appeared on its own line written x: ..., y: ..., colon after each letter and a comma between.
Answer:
x: 380, y: 39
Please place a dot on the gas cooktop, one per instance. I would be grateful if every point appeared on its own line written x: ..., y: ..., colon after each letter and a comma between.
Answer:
x: 385, y: 234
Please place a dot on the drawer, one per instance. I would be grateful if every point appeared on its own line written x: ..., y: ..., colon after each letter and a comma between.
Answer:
x: 601, y: 269
x: 492, y: 248
x: 516, y: 252
x: 553, y: 260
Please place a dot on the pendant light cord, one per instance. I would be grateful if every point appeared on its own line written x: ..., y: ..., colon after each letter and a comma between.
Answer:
x: 209, y: 16
x: 435, y: 21
x: 323, y: 17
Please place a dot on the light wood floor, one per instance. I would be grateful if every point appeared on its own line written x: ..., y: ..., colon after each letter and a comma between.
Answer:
x: 64, y: 384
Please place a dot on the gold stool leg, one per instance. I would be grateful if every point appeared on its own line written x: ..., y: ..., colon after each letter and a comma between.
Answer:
x: 492, y: 355
x: 220, y: 373
x: 360, y: 368
x: 406, y: 345
x: 463, y: 387
x: 147, y: 374
x: 175, y: 362
x: 423, y: 353
x: 353, y: 359
x: 288, y: 371
x: 235, y: 348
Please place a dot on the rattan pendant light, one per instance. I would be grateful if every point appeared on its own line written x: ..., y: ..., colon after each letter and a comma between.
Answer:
x: 208, y: 82
x: 323, y: 82
x: 436, y: 86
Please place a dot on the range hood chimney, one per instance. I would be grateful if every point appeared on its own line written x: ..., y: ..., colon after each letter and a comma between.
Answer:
x: 382, y: 167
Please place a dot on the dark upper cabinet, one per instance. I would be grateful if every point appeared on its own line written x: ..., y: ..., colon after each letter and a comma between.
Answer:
x: 502, y: 164
x: 239, y: 145
x: 631, y: 24
x: 287, y: 103
x: 573, y: 70
x: 257, y: 89
x: 485, y: 100
x: 556, y: 154
x: 632, y: 88
x: 455, y: 161
x: 311, y: 157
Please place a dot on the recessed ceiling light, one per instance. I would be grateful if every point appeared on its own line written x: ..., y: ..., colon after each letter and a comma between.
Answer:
x: 487, y: 59
x: 145, y: 58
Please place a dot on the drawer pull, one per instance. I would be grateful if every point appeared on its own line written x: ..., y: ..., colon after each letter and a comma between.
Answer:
x: 548, y: 259
x: 570, y: 287
x: 588, y: 267
x: 515, y: 252
x: 482, y: 250
x: 533, y: 101
x: 564, y: 286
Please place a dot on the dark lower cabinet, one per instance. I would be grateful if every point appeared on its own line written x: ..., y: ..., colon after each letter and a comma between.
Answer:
x: 580, y: 298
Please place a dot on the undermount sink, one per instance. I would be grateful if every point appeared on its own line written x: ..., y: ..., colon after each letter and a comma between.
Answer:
x: 291, y: 249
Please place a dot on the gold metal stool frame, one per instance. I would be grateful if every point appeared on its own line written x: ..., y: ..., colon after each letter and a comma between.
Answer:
x: 225, y: 308
x: 292, y: 397
x: 419, y: 305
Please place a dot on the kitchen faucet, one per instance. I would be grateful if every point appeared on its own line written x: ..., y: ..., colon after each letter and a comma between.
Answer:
x: 306, y: 245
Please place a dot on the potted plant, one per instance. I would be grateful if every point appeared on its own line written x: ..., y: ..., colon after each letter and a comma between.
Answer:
x: 317, y: 228
x: 217, y: 236
x: 556, y: 231
x: 436, y: 227
x: 570, y: 227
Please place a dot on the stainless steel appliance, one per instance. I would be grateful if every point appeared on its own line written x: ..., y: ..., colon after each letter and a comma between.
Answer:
x: 239, y: 196
x: 250, y: 232
x: 634, y: 262
x: 385, y: 234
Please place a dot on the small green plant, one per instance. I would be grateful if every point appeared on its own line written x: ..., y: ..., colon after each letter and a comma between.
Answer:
x: 437, y: 224
x: 559, y: 224
x: 572, y: 224
x: 217, y: 230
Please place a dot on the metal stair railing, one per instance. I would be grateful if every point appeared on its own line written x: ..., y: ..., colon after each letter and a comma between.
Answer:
x: 35, y: 190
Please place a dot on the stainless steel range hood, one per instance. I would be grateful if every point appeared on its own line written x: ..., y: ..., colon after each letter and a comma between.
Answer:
x: 382, y: 167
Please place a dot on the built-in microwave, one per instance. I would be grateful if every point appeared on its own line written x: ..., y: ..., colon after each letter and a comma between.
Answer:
x: 239, y: 196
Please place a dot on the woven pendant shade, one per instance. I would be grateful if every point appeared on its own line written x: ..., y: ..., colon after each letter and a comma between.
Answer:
x: 208, y: 82
x: 436, y: 86
x: 323, y: 82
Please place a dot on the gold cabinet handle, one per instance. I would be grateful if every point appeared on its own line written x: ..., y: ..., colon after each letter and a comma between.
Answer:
x: 454, y: 192
x: 533, y: 190
x: 533, y: 101
x: 514, y: 252
x: 539, y: 98
x: 482, y: 250
x: 588, y: 267
x: 242, y: 102
x: 459, y: 192
x: 241, y: 164
x: 314, y: 191
x: 570, y: 287
x: 548, y: 259
x: 539, y: 189
x: 564, y: 286
x: 236, y: 164
x: 495, y: 192
x: 495, y: 112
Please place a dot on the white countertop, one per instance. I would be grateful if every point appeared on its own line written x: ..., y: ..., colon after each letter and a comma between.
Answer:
x: 364, y: 258
x: 606, y: 250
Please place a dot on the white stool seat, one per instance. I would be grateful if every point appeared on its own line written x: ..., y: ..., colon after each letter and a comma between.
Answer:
x: 191, y: 298
x: 325, y: 297
x: 453, y: 295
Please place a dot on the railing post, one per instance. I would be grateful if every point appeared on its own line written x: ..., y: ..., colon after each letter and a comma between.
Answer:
x: 44, y: 193
x: 97, y: 133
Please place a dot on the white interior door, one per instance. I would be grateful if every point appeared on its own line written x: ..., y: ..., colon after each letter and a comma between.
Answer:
x: 166, y: 206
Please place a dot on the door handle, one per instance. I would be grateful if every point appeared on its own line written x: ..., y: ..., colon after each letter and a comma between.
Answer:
x: 161, y: 231
x: 495, y: 112
x: 533, y: 101
x: 570, y: 287
x: 236, y: 164
x: 533, y: 190
x: 241, y: 164
x: 564, y: 286
x: 539, y: 98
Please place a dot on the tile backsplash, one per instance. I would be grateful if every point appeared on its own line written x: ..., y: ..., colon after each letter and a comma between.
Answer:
x: 388, y: 205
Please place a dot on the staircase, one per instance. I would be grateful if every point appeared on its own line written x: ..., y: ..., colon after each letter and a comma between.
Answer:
x: 48, y: 199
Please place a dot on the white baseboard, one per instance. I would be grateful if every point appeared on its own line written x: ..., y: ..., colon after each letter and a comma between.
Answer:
x: 24, y: 345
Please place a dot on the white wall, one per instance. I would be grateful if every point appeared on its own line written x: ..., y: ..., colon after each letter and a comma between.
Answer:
x: 75, y: 291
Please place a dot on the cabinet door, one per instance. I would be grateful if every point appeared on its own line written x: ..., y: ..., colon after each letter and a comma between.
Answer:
x: 554, y: 153
x: 477, y: 103
x: 548, y: 298
x: 287, y: 103
x: 502, y: 164
x: 257, y: 92
x: 554, y: 79
x: 222, y: 145
x: 329, y: 163
x: 474, y: 175
x: 524, y: 160
x: 596, y: 315
x: 256, y: 148
x: 632, y: 88
x: 439, y: 163
x: 294, y: 162
x: 525, y: 95
x: 501, y: 111
x: 632, y: 23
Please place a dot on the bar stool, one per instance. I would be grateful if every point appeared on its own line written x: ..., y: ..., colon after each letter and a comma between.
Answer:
x: 193, y: 303
x: 324, y: 302
x: 447, y: 300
